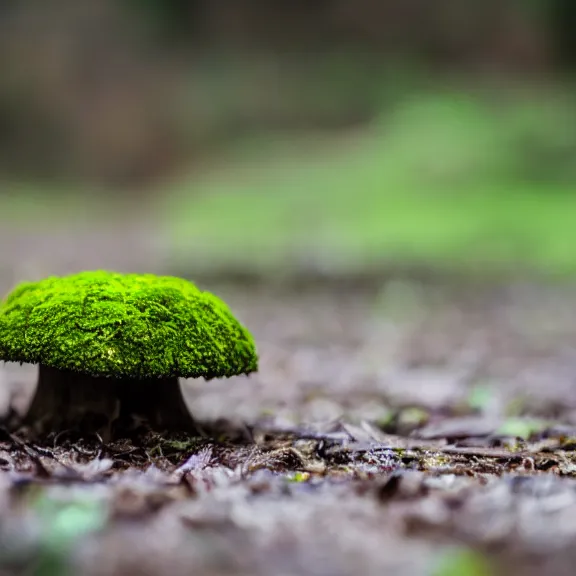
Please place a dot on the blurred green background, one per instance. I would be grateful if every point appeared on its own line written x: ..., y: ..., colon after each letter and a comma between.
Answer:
x: 252, y: 137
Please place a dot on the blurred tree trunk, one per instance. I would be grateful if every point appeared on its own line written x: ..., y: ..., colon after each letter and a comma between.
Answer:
x: 563, y: 33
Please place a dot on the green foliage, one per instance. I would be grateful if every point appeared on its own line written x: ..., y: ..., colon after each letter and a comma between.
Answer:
x: 445, y: 180
x: 480, y: 397
x: 522, y: 428
x: 109, y: 324
x: 462, y: 562
x: 65, y: 521
x: 298, y: 477
x: 60, y: 525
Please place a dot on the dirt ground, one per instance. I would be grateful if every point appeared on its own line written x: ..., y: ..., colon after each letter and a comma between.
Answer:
x: 407, y: 427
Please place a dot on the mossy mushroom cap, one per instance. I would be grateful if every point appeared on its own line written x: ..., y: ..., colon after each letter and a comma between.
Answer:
x: 124, y: 325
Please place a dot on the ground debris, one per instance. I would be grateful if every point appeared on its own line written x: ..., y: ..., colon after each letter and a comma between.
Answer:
x: 363, y: 446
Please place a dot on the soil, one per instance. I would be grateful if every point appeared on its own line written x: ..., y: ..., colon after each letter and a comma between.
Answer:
x: 419, y: 427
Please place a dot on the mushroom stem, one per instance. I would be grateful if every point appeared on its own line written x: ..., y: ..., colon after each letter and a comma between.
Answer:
x: 70, y: 400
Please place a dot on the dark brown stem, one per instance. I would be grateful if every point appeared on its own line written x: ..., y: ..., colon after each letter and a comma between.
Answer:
x: 66, y: 400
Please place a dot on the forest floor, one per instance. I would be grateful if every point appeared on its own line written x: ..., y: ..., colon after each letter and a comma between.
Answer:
x: 424, y: 427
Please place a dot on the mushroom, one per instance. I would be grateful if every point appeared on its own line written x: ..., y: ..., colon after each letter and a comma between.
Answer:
x: 111, y: 347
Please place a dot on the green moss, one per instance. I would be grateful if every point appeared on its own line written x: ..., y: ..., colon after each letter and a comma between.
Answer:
x: 179, y: 445
x: 127, y: 325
